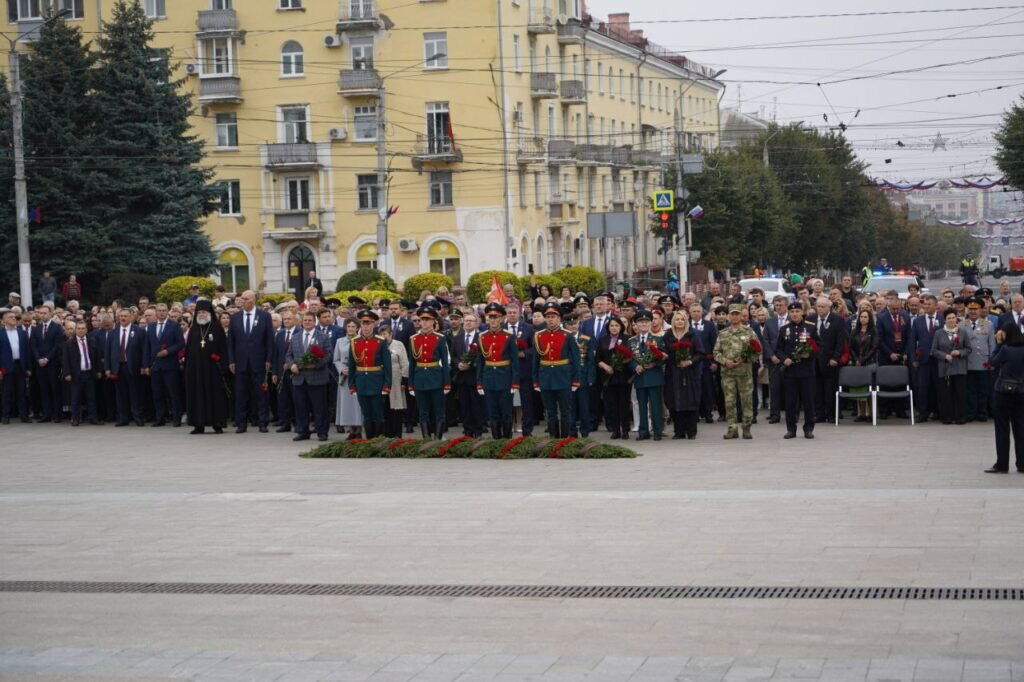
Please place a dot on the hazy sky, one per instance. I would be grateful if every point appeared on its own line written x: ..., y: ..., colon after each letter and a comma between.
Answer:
x: 827, y: 49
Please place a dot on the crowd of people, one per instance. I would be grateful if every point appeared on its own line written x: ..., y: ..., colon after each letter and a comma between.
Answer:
x: 574, y: 361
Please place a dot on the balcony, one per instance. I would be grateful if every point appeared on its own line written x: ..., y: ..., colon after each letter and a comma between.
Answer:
x: 530, y: 150
x: 622, y: 156
x: 560, y: 152
x: 291, y: 156
x: 561, y: 211
x: 594, y: 155
x: 435, y: 149
x: 358, y: 15
x: 573, y: 92
x: 293, y: 224
x: 217, y: 88
x: 543, y: 85
x: 28, y: 30
x: 647, y: 158
x: 542, y: 20
x: 216, y: 21
x: 572, y: 33
x: 358, y: 82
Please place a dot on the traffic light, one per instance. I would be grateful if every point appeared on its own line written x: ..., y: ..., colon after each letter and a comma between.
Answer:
x: 664, y: 217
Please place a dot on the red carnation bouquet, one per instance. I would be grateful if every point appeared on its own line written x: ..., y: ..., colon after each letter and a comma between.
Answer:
x: 521, y: 344
x: 648, y: 355
x: 751, y: 351
x: 621, y: 358
x: 682, y: 351
x: 805, y: 348
x: 470, y: 356
x: 312, y: 356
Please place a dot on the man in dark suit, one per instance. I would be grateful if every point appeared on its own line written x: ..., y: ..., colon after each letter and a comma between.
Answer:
x: 315, y: 282
x: 1016, y: 313
x: 471, y: 407
x: 309, y: 381
x: 919, y: 350
x: 832, y: 340
x: 282, y: 377
x: 106, y: 400
x: 769, y: 342
x: 81, y: 368
x: 15, y: 365
x: 893, y: 326
x: 708, y: 333
x: 523, y: 334
x: 164, y: 339
x: 123, y: 365
x: 250, y: 348
x: 332, y: 332
x: 47, y: 349
x: 593, y: 327
x: 402, y: 330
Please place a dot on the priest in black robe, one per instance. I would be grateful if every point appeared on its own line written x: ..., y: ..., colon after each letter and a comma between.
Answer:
x: 205, y: 358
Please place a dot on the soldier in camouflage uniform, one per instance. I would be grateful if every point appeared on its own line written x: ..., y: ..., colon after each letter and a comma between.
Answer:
x: 737, y: 379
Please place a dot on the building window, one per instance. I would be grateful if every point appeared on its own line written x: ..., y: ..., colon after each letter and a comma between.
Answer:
x: 234, y: 270
x: 586, y: 75
x: 366, y: 256
x: 217, y: 56
x: 361, y: 9
x: 435, y: 50
x: 296, y: 194
x: 441, y: 188
x: 221, y: 4
x: 289, y: 4
x: 368, y: 192
x: 444, y: 258
x: 291, y: 59
x: 515, y: 54
x: 362, y: 52
x: 536, y: 190
x: 522, y: 189
x: 294, y: 124
x: 227, y: 130
x: 365, y: 120
x: 155, y: 9
x: 600, y: 82
x: 622, y: 85
x: 591, y: 192
x: 632, y: 89
x: 230, y: 198
x: 439, y: 128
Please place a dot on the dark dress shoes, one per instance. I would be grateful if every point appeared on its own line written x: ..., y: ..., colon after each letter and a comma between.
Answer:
x: 643, y: 436
x: 241, y: 429
x: 301, y: 436
x: 119, y: 424
x: 789, y: 434
x: 264, y: 429
x: 283, y: 429
x: 159, y: 424
x: 75, y: 422
x: 657, y: 437
x: 678, y: 436
x: 177, y: 423
x: 995, y: 470
x: 197, y: 430
x: 218, y: 430
x: 322, y: 437
x: 808, y: 434
x: 615, y: 435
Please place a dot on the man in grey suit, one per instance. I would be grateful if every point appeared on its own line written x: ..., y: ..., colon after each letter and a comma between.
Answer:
x: 309, y: 380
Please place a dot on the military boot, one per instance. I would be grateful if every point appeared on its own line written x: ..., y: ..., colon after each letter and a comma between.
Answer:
x: 731, y: 434
x: 746, y: 432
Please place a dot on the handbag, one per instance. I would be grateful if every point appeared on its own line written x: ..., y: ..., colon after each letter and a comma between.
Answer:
x: 1012, y: 386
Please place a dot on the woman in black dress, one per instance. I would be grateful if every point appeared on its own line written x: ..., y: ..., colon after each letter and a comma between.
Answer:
x: 615, y: 377
x: 682, y: 376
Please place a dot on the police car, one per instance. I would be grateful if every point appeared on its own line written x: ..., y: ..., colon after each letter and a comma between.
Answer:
x: 898, y: 281
x: 771, y: 286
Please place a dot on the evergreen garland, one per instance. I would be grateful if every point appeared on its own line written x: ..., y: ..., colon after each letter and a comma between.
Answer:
x: 533, y: 447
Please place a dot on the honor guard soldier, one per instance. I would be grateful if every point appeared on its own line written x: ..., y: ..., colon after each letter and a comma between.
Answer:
x: 588, y: 375
x: 556, y: 371
x: 648, y: 374
x: 497, y: 375
x: 369, y: 365
x: 429, y: 373
x: 734, y: 358
x: 797, y: 346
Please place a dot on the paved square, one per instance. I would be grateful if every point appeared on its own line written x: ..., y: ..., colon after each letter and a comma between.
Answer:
x: 892, y: 506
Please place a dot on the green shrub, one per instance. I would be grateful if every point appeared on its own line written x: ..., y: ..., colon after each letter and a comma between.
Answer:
x: 367, y: 296
x: 175, y: 290
x: 479, y: 284
x: 431, y: 281
x: 275, y: 299
x: 523, y: 286
x: 533, y: 447
x: 582, y: 278
x: 362, y: 278
x: 128, y: 287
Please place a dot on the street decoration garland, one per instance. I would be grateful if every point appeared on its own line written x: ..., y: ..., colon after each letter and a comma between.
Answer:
x: 464, y: 447
x: 953, y: 183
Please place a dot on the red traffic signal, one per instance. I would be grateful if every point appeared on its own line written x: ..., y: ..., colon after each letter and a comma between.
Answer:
x: 664, y: 218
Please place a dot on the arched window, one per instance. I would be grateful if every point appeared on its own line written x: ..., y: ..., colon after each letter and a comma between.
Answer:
x: 234, y: 270
x: 547, y: 59
x: 540, y: 255
x: 443, y: 257
x: 524, y: 255
x: 291, y: 59
x: 366, y: 256
x: 567, y: 252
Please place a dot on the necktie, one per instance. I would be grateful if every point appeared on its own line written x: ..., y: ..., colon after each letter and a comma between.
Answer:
x: 819, y: 326
x: 394, y: 327
x: 85, y: 353
x: 306, y: 346
x: 468, y: 340
x: 160, y: 331
x: 287, y: 337
x: 46, y: 328
x: 247, y: 321
x: 599, y: 327
x: 124, y: 345
x: 931, y: 322
x: 515, y: 330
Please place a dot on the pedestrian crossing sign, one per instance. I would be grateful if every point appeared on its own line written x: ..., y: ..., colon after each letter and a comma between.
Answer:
x: 664, y: 200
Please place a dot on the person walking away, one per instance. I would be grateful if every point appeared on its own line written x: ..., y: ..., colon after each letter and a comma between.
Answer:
x: 1009, y: 397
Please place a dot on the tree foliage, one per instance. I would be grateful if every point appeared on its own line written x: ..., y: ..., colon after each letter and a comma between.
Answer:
x: 1010, y: 140
x: 365, y: 277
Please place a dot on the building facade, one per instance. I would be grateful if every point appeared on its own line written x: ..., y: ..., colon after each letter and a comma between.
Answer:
x: 499, y: 125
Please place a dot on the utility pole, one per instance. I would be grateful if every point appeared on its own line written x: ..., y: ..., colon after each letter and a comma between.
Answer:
x: 382, y: 209
x: 684, y: 268
x: 20, y: 183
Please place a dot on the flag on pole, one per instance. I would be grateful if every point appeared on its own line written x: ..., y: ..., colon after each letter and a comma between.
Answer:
x: 35, y: 215
x: 497, y: 294
x: 449, y: 132
x: 696, y: 212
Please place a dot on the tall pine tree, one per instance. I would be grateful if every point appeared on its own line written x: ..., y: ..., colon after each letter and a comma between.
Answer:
x: 58, y: 120
x: 154, y: 192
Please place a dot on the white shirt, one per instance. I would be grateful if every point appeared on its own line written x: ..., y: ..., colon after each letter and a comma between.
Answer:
x: 14, y: 340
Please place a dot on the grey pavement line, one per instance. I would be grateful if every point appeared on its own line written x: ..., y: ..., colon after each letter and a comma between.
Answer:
x: 526, y: 591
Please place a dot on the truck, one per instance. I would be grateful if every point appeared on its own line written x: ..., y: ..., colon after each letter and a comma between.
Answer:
x: 997, y: 269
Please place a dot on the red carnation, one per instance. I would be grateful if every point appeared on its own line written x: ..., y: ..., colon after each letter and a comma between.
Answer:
x: 264, y: 388
x: 756, y: 346
x: 317, y: 352
x: 163, y: 346
x: 681, y: 345
x: 521, y: 344
x: 813, y: 344
x: 214, y: 357
x: 956, y: 339
x: 473, y: 348
x: 624, y: 351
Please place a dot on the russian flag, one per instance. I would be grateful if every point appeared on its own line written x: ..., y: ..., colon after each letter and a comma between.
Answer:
x: 696, y: 212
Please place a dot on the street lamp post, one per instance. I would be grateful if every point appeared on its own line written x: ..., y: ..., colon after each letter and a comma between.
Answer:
x: 684, y: 268
x: 20, y: 182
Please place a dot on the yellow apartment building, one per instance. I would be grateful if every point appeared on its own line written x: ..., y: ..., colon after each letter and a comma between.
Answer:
x: 498, y: 125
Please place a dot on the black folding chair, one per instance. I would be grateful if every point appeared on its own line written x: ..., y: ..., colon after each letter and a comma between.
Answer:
x: 853, y: 377
x: 888, y: 379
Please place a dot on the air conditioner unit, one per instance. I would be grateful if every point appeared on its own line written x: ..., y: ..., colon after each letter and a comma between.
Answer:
x: 332, y: 40
x: 337, y: 133
x: 408, y: 245
x: 192, y: 69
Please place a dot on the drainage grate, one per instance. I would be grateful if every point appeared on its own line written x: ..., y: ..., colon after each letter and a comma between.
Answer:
x: 526, y: 591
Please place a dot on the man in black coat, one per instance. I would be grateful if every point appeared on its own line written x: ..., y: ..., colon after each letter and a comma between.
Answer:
x: 82, y: 367
x: 47, y: 347
x: 832, y: 339
x: 250, y: 350
x: 523, y: 334
x: 798, y: 369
